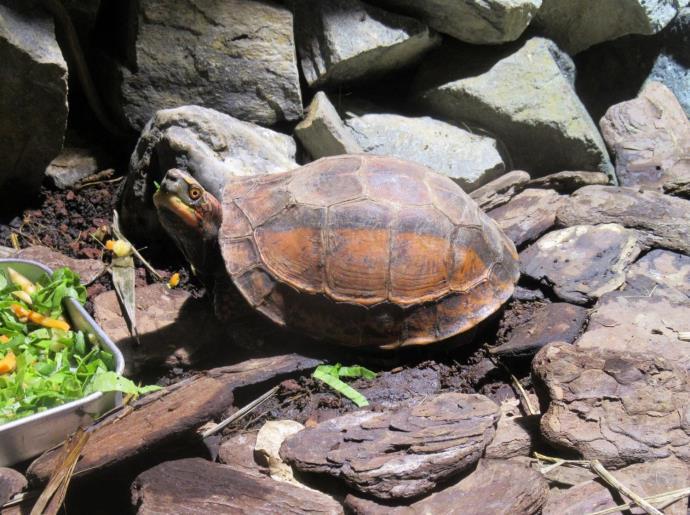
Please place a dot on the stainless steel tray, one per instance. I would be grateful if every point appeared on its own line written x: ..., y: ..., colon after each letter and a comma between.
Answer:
x: 29, y: 436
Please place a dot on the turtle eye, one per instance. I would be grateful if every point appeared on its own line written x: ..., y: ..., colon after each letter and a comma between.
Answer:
x: 194, y: 192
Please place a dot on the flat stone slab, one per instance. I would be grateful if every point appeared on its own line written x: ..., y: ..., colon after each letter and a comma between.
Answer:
x: 470, y: 160
x: 528, y: 215
x: 323, y: 133
x: 617, y: 407
x: 650, y: 139
x: 556, y: 322
x: 495, y: 487
x: 400, y: 453
x: 198, y: 486
x: 88, y: 269
x: 168, y: 322
x: 627, y: 322
x: 660, y: 220
x: 473, y: 21
x: 500, y: 190
x: 645, y: 479
x: 567, y: 182
x: 583, y: 262
x: 664, y: 268
x: 341, y: 41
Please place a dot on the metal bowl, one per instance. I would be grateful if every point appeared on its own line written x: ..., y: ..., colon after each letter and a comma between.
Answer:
x: 29, y: 436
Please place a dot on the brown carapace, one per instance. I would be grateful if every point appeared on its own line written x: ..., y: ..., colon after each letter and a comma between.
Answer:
x: 365, y: 251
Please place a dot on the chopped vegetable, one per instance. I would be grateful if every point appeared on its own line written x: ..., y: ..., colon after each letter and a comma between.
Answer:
x: 174, y: 280
x: 110, y: 244
x: 21, y: 281
x: 8, y: 363
x: 331, y: 374
x: 45, y: 362
x: 122, y: 248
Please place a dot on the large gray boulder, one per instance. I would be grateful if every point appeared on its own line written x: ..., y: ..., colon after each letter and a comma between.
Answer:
x: 474, y: 21
x: 211, y: 146
x: 469, y: 159
x: 346, y: 40
x: 579, y: 24
x: 33, y: 96
x: 526, y: 100
x: 236, y: 56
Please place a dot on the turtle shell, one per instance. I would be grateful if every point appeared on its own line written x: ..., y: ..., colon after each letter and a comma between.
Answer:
x: 365, y: 250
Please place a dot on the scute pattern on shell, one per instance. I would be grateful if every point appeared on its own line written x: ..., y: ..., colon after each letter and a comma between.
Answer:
x: 365, y: 250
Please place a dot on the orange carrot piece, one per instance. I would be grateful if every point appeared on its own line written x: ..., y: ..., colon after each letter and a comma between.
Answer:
x: 37, y: 318
x: 8, y: 363
x: 4, y: 338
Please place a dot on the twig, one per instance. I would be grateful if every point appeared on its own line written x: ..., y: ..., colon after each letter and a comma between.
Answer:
x: 531, y: 410
x: 661, y: 500
x: 241, y: 412
x: 604, y: 474
x: 596, y: 467
x: 118, y: 233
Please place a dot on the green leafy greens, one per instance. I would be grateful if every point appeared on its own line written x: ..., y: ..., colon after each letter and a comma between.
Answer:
x: 53, y: 366
x: 331, y: 374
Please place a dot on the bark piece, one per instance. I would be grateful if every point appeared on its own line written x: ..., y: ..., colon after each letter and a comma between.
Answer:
x: 617, y: 407
x: 567, y: 182
x: 556, y: 322
x: 495, y: 487
x: 501, y: 190
x: 660, y: 220
x: 528, y: 215
x: 622, y: 321
x: 198, y: 486
x: 650, y: 139
x: 645, y: 479
x: 238, y: 452
x: 400, y: 453
x: 515, y: 433
x: 165, y: 418
x: 11, y: 482
x: 583, y: 262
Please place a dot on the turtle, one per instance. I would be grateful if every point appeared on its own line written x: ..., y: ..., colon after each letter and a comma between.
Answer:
x: 360, y: 250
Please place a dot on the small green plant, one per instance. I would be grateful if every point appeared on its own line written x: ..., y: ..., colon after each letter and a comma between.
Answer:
x: 331, y: 374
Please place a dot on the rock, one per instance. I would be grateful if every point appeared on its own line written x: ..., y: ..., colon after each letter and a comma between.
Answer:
x: 557, y: 322
x: 473, y: 21
x: 87, y: 269
x: 11, y: 482
x: 500, y: 190
x: 400, y: 453
x: 528, y: 215
x: 660, y: 268
x: 323, y: 133
x: 526, y: 100
x: 211, y: 146
x: 617, y: 407
x: 158, y: 422
x: 578, y: 24
x: 271, y: 436
x: 645, y: 479
x: 583, y: 262
x: 33, y: 96
x: 198, y: 486
x: 671, y: 66
x: 515, y: 434
x: 650, y: 138
x: 346, y: 40
x: 168, y: 322
x: 238, y: 452
x: 567, y: 182
x: 237, y: 57
x: 71, y: 166
x: 469, y: 159
x: 623, y: 321
x: 492, y: 489
x: 660, y: 220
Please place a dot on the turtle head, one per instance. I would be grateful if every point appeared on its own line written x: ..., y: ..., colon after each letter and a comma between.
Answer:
x: 191, y: 216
